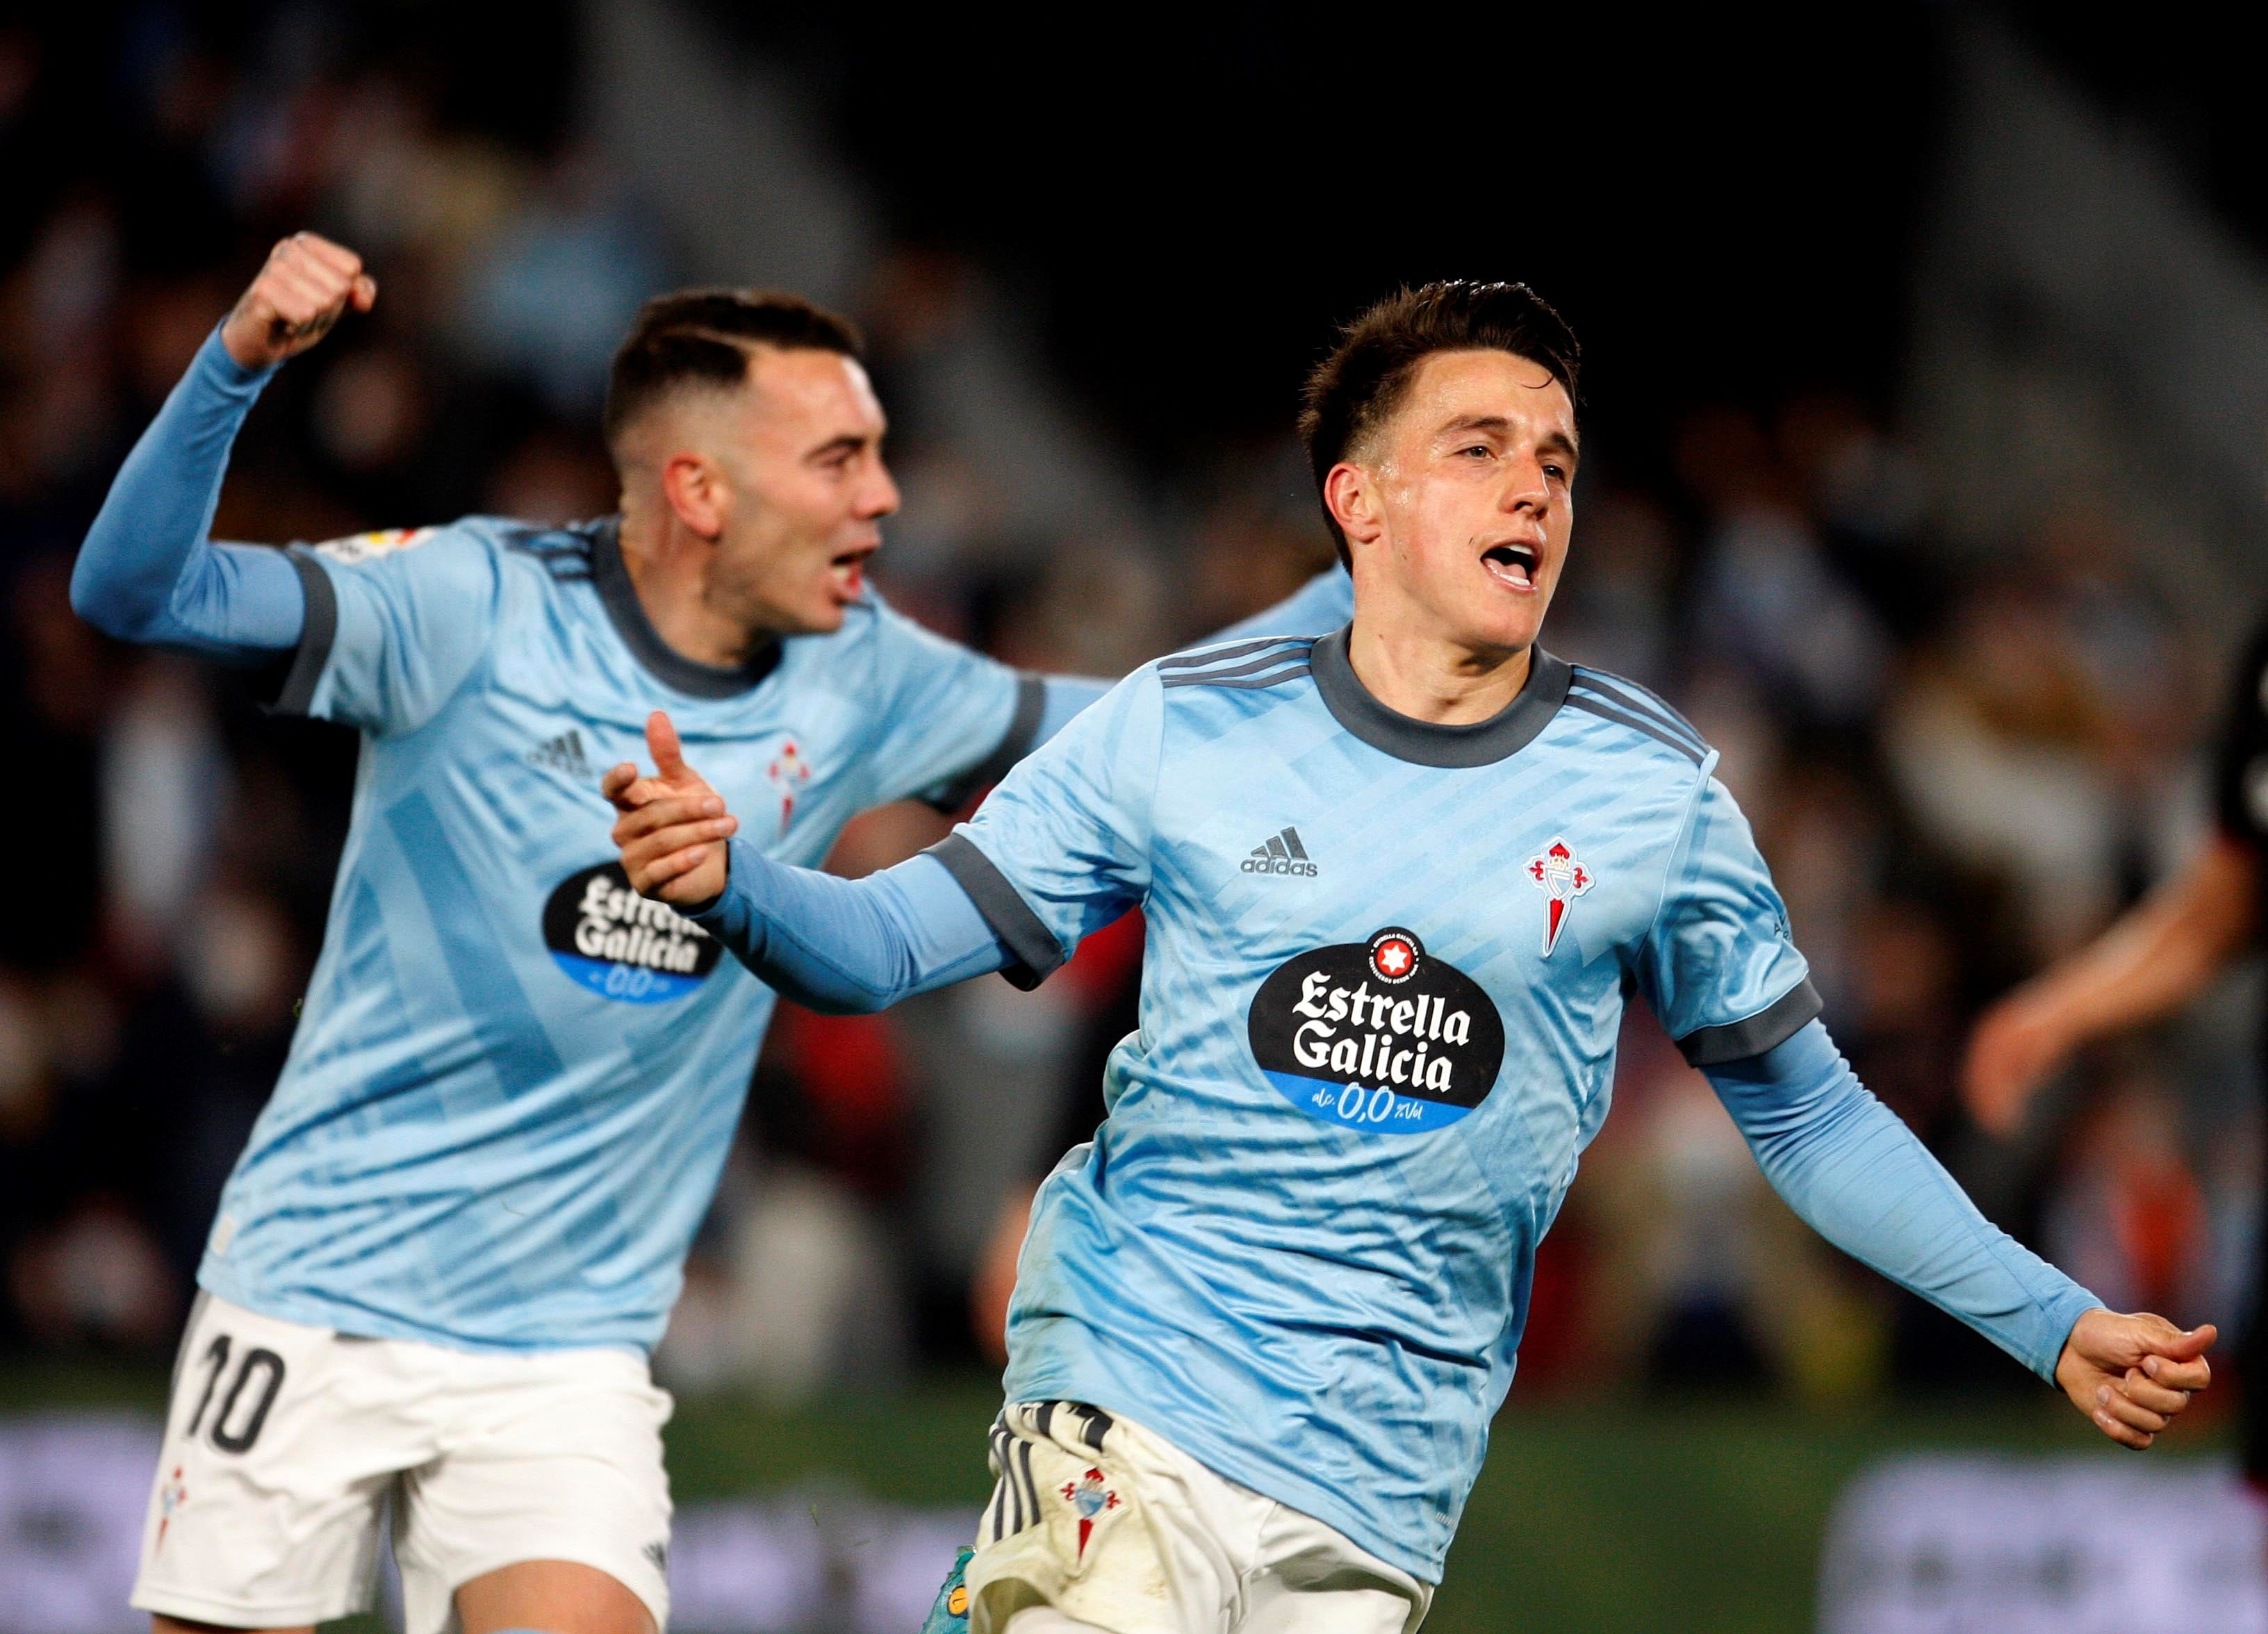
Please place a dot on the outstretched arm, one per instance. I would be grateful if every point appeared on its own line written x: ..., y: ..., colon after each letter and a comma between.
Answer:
x: 2150, y: 963
x: 850, y: 946
x: 843, y: 946
x: 147, y: 572
x: 1858, y: 1176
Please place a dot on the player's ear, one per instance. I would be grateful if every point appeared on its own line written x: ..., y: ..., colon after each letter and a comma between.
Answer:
x: 694, y: 488
x: 1352, y: 497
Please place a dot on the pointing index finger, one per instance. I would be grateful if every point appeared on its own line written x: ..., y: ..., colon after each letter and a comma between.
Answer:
x: 668, y: 753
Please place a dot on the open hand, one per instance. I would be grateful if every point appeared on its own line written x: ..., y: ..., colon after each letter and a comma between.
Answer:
x: 673, y: 826
x: 307, y: 283
x: 2131, y: 1374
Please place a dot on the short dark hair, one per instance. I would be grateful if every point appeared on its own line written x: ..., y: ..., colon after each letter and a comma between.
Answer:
x: 705, y: 337
x: 1357, y: 388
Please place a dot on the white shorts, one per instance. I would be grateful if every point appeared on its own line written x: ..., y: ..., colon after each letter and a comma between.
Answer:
x: 285, y: 1445
x: 1107, y: 1524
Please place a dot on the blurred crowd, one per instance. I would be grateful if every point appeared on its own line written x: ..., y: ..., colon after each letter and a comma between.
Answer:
x: 1959, y: 764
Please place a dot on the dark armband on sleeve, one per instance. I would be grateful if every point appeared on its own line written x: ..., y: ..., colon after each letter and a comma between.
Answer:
x: 286, y: 686
x: 1037, y: 957
x: 1772, y: 1025
x: 1015, y: 743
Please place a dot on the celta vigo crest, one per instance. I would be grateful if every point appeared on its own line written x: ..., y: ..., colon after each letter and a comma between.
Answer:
x: 1560, y: 875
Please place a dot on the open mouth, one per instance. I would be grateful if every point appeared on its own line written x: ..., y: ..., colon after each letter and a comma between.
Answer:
x: 1513, y: 564
x: 847, y: 573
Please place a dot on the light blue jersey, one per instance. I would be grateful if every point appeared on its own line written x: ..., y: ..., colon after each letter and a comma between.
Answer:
x: 515, y: 1081
x: 1386, y: 966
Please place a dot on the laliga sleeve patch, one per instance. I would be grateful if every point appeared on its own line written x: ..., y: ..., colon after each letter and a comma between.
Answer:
x: 1377, y: 1034
x: 369, y: 547
x: 623, y: 945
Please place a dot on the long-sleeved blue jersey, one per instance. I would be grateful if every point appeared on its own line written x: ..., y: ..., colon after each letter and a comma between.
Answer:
x: 514, y: 1082
x: 1387, y: 968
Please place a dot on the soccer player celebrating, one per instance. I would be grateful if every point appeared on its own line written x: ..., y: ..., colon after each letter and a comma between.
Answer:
x: 461, y: 1222
x: 1262, y: 1322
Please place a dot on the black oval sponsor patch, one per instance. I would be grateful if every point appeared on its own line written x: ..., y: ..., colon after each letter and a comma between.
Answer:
x: 623, y: 946
x: 1377, y: 1034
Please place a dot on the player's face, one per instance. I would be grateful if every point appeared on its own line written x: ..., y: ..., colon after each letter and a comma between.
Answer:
x: 809, y: 492
x: 1471, y: 499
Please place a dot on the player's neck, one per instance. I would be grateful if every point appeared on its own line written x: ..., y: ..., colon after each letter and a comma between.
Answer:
x: 1427, y: 677
x: 669, y: 570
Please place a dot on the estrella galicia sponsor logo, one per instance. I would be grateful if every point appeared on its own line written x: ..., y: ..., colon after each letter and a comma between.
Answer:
x: 1377, y: 1034
x: 1280, y: 854
x: 623, y: 946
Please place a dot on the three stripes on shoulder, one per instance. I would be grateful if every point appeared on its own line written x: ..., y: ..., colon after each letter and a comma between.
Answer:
x: 1626, y: 703
x: 1243, y: 663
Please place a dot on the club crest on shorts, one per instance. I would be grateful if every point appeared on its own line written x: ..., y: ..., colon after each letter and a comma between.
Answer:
x: 1092, y: 1499
x: 1560, y: 875
x: 171, y: 1497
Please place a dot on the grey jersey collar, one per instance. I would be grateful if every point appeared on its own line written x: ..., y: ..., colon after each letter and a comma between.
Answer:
x: 619, y: 597
x: 1482, y: 743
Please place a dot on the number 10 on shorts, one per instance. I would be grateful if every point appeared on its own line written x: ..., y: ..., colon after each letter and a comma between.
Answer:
x: 244, y: 1403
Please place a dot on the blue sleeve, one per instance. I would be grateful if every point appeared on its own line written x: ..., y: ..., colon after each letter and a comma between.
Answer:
x: 1062, y: 847
x: 1718, y: 966
x: 1859, y: 1177
x: 849, y: 946
x: 1323, y: 604
x: 948, y: 720
x: 1062, y: 698
x: 147, y: 571
x: 397, y: 622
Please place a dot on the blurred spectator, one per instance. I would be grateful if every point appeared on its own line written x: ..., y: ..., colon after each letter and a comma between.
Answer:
x: 2002, y: 745
x: 1771, y: 600
x: 164, y: 784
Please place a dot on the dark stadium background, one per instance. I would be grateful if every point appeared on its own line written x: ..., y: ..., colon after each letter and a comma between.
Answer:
x: 1927, y: 379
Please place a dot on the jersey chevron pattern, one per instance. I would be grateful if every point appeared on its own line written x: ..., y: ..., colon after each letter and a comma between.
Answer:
x: 1300, y: 1247
x: 514, y: 1080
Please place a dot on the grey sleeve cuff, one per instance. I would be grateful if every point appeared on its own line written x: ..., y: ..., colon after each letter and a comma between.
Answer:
x: 1037, y: 956
x: 1772, y: 1025
x: 1015, y: 743
x: 296, y: 692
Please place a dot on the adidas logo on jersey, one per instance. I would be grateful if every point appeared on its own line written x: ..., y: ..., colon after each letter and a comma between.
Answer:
x: 562, y: 754
x: 1282, y: 853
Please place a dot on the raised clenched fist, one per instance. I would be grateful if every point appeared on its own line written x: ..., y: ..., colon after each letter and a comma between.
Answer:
x: 307, y: 283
